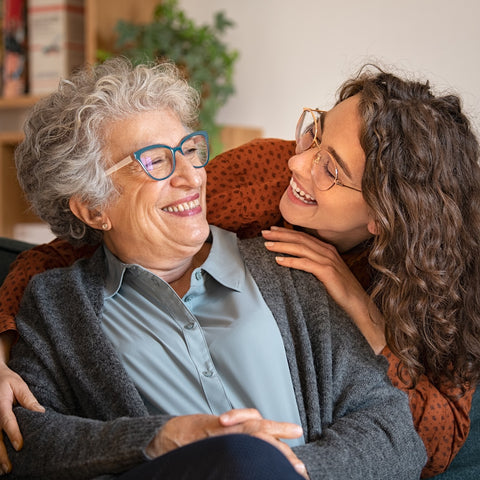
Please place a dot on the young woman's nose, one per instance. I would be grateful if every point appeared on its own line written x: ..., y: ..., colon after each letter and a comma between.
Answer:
x: 301, y: 162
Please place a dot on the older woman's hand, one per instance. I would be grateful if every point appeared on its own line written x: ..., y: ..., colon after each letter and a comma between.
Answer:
x: 185, y: 429
x: 12, y: 389
x: 322, y: 260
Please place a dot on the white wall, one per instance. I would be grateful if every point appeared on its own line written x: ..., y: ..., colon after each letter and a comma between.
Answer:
x: 296, y: 53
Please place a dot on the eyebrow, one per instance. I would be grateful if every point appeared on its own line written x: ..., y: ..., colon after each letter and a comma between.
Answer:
x: 341, y: 163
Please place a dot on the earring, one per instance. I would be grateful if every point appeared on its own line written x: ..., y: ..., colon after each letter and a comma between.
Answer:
x: 105, y: 226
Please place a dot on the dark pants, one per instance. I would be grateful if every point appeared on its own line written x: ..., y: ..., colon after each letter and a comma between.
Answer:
x: 229, y: 457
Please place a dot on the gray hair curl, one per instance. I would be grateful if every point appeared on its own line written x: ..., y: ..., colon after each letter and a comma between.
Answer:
x: 63, y: 153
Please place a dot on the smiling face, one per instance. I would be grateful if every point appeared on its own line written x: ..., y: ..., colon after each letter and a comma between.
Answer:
x: 157, y: 224
x: 339, y: 215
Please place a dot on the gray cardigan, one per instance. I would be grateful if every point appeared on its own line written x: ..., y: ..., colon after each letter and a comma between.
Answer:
x: 357, y: 425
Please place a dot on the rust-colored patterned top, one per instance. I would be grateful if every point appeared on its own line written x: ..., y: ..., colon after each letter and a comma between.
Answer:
x: 243, y: 192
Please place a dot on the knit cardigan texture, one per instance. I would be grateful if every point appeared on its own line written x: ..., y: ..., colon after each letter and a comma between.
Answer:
x: 356, y: 424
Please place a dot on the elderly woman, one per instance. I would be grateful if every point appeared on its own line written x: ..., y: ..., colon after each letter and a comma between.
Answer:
x: 151, y: 356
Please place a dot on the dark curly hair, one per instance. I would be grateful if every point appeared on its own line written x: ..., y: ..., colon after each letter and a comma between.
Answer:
x: 422, y: 184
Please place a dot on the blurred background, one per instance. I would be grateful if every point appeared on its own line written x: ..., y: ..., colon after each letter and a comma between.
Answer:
x: 297, y: 53
x: 256, y: 62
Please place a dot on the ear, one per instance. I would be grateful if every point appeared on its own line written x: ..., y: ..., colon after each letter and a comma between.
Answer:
x: 372, y: 227
x: 93, y: 218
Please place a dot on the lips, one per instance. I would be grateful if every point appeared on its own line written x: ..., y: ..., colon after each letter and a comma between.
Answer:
x: 300, y: 194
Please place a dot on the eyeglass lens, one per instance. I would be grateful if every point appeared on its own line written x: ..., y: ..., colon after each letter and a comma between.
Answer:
x: 158, y: 161
x: 324, y: 170
x: 308, y: 127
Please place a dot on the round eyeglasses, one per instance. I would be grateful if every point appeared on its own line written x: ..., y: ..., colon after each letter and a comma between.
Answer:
x: 325, y: 172
x: 158, y: 161
x: 308, y: 134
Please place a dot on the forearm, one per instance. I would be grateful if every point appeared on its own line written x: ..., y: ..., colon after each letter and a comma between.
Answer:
x: 368, y: 320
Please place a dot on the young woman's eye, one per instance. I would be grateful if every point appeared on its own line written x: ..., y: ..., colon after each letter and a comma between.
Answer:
x: 328, y: 172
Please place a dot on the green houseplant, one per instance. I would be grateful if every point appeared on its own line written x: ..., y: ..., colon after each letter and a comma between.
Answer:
x: 198, y: 50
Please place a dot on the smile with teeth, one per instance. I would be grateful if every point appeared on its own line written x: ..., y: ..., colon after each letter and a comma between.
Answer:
x: 301, y: 195
x: 183, y: 207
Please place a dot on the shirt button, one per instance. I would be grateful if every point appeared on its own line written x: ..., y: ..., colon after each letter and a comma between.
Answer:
x: 207, y: 373
x: 190, y: 326
x: 188, y: 298
x: 198, y: 275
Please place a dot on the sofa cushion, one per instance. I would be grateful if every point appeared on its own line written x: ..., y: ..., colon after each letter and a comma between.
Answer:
x: 9, y: 249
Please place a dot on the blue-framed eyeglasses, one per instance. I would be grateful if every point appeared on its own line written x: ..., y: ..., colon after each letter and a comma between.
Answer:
x: 158, y: 161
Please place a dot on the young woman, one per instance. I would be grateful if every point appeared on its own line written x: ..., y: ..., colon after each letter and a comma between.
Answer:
x: 391, y: 175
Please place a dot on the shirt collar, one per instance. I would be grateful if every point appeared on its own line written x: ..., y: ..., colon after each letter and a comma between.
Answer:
x: 224, y: 263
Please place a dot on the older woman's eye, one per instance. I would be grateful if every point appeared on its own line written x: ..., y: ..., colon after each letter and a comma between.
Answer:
x: 155, y: 160
x: 190, y: 151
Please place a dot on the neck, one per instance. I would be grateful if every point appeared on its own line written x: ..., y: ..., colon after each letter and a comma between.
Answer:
x: 179, y: 280
x: 343, y: 243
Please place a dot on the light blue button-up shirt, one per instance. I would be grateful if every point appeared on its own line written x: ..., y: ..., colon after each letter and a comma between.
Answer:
x: 215, y: 349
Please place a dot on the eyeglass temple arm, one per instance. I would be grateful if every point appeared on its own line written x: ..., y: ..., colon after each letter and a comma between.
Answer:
x: 119, y: 165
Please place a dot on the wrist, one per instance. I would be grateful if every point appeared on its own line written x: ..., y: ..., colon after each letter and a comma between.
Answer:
x: 370, y: 322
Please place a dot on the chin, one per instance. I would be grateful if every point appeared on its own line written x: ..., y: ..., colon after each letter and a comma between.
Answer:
x: 200, y: 234
x: 290, y: 212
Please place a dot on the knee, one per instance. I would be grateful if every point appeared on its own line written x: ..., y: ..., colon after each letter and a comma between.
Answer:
x: 244, y: 456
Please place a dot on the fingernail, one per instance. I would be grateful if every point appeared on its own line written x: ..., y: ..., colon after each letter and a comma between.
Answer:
x: 39, y: 407
x: 268, y: 244
x: 280, y: 259
x: 16, y: 446
x: 5, y: 469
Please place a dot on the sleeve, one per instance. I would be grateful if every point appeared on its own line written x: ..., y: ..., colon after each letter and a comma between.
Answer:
x: 370, y: 423
x: 94, y: 448
x: 357, y: 425
x: 440, y: 415
x: 57, y: 253
x: 90, y: 427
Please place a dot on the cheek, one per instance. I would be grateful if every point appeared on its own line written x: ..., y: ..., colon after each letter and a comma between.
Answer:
x: 342, y: 206
x: 135, y: 201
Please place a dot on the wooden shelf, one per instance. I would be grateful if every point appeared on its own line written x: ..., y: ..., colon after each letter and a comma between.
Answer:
x: 25, y: 101
x: 100, y: 20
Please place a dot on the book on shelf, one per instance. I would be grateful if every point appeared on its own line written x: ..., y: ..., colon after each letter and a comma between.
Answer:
x: 55, y: 42
x: 14, y: 52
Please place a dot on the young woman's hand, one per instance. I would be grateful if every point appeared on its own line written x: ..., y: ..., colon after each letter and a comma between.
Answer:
x: 321, y: 259
x: 12, y: 390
